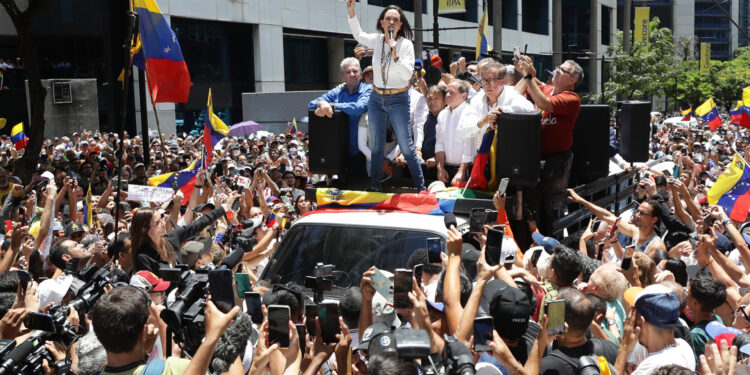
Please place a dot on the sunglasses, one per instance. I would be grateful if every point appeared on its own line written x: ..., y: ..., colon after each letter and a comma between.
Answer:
x: 741, y: 308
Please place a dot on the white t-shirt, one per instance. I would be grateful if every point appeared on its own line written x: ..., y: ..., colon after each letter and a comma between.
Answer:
x: 680, y: 354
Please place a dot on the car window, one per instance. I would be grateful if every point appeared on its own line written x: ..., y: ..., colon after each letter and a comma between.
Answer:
x: 352, y: 250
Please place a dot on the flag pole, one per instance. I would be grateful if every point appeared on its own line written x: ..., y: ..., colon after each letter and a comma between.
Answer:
x: 153, y: 105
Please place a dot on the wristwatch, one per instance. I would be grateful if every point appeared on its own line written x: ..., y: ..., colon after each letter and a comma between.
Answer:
x: 725, y: 222
x: 528, y: 76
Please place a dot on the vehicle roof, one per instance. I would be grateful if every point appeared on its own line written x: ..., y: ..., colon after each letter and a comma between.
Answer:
x: 384, y: 219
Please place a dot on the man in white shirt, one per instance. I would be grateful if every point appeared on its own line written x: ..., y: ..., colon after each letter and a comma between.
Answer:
x: 487, y: 104
x: 453, y: 152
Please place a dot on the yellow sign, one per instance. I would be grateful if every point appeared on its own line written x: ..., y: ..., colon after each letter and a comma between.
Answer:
x: 705, y: 58
x: 640, y: 30
x: 452, y: 6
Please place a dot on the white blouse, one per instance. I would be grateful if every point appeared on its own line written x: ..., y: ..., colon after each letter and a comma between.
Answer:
x: 397, y: 74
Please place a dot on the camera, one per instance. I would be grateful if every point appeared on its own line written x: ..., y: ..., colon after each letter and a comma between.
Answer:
x: 184, y: 316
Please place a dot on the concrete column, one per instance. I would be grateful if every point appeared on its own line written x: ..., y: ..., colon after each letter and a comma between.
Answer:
x: 268, y: 58
x: 626, y: 24
x: 418, y: 39
x: 335, y: 55
x: 594, y: 30
x: 557, y: 47
x: 497, y: 25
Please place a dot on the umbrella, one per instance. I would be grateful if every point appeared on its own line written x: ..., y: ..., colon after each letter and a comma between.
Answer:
x: 244, y: 128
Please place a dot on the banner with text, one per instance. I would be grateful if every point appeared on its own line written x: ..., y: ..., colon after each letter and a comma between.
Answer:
x: 149, y: 193
x: 451, y: 6
x: 640, y: 29
x: 705, y: 58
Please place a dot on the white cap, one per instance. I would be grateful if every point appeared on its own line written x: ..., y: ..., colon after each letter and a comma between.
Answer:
x: 54, y: 290
x: 508, y: 250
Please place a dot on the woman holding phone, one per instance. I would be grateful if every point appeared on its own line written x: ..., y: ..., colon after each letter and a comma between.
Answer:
x: 393, y: 68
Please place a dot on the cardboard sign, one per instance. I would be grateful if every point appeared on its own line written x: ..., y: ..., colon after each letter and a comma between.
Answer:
x: 149, y: 193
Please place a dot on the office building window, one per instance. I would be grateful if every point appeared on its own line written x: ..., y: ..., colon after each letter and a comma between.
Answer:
x: 469, y: 16
x: 407, y: 5
x: 606, y: 14
x: 300, y: 71
x: 510, y: 14
x: 535, y: 16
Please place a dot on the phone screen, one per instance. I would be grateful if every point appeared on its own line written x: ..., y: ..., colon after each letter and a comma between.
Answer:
x: 477, y: 219
x: 418, y: 274
x: 556, y: 315
x: 434, y: 248
x: 311, y: 311
x: 278, y: 325
x: 456, y: 56
x: 595, y: 225
x: 253, y: 307
x: 612, y: 228
x: 328, y: 313
x: 243, y: 284
x: 494, y: 246
x: 301, y: 332
x: 24, y: 277
x: 676, y: 171
x: 503, y: 186
x: 40, y: 321
x: 535, y: 256
x: 482, y: 333
x: 220, y: 282
x: 401, y: 287
x: 383, y: 285
x: 627, y: 260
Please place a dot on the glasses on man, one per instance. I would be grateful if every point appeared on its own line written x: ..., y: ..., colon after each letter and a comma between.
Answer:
x: 489, y: 81
x: 560, y: 68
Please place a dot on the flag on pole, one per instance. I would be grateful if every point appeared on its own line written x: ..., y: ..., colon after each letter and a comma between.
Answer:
x: 183, y: 180
x: 88, y: 216
x: 483, y: 176
x: 710, y: 115
x: 482, y: 44
x: 686, y: 114
x: 214, y: 129
x: 740, y: 114
x: 18, y: 137
x: 161, y: 56
x: 732, y: 190
x: 293, y: 129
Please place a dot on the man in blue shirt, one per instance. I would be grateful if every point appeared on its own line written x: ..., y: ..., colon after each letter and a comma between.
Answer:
x: 351, y: 97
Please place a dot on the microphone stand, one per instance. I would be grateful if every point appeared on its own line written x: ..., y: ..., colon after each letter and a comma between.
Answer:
x: 127, y: 65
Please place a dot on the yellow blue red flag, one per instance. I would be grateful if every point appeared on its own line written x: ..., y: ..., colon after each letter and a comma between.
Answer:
x: 293, y: 129
x: 482, y: 44
x: 183, y: 180
x: 214, y: 129
x: 710, y: 115
x: 686, y: 114
x: 732, y: 190
x: 18, y: 137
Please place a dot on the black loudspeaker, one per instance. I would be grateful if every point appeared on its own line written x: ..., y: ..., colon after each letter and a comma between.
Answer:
x: 635, y: 129
x: 518, y: 147
x: 329, y: 143
x: 591, y: 143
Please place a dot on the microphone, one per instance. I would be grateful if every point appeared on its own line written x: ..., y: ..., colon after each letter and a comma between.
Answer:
x: 450, y: 220
x: 390, y: 33
x: 232, y: 259
x: 232, y: 343
x: 436, y: 61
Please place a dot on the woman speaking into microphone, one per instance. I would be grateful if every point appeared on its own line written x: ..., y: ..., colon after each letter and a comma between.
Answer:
x: 393, y: 67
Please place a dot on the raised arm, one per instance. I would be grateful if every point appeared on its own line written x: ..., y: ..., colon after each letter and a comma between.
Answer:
x: 542, y: 101
x: 484, y: 275
x: 452, y: 283
x: 50, y: 191
x: 368, y: 40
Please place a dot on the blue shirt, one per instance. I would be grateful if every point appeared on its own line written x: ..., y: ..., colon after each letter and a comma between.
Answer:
x: 354, y: 105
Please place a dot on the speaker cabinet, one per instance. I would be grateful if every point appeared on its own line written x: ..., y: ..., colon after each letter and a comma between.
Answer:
x: 591, y: 143
x: 518, y: 148
x: 635, y: 129
x: 329, y: 143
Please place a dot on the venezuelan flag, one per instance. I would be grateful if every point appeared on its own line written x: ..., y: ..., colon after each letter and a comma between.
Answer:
x: 88, y: 216
x: 740, y: 114
x: 708, y: 112
x: 732, y: 190
x: 18, y: 137
x: 482, y: 45
x: 184, y: 179
x: 160, y: 55
x: 483, y: 176
x: 293, y: 128
x: 214, y: 129
x: 686, y: 114
x: 421, y: 204
x: 271, y: 220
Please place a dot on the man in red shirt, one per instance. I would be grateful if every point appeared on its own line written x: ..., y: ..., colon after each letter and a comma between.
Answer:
x: 559, y: 105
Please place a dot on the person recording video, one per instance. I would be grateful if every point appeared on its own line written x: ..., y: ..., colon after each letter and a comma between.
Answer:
x: 393, y: 67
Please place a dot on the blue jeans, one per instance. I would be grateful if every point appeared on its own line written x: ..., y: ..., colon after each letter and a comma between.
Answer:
x: 394, y: 109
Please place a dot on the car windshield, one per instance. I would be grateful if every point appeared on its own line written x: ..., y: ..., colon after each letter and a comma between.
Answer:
x: 352, y: 250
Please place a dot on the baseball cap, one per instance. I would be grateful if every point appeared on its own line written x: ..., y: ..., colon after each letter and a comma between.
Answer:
x: 659, y: 306
x: 548, y: 243
x: 512, y: 306
x: 200, y: 207
x: 54, y: 290
x: 719, y: 332
x: 370, y: 332
x: 149, y: 282
x: 631, y: 294
x: 191, y: 250
x: 73, y: 228
x: 384, y: 313
x: 507, y: 251
x: 382, y: 343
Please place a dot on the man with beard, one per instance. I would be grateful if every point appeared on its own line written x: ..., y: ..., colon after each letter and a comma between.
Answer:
x: 640, y: 227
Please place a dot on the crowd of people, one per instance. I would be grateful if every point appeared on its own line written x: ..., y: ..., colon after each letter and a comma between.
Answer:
x: 660, y: 288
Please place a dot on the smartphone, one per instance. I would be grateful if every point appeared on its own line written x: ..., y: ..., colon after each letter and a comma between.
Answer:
x: 494, y: 245
x: 402, y: 283
x: 301, y: 332
x: 253, y: 307
x: 287, y: 202
x: 382, y: 285
x: 40, y: 321
x: 220, y: 283
x: 535, y: 256
x: 612, y: 229
x: 418, y: 274
x: 456, y: 56
x: 311, y: 311
x: 328, y: 313
x: 516, y: 52
x: 243, y: 284
x: 483, y: 327
x: 369, y: 52
x: 556, y: 314
x: 434, y: 248
x: 627, y: 260
x: 502, y: 186
x: 8, y: 226
x: 477, y: 219
x: 676, y: 171
x: 595, y: 226
x: 24, y: 277
x: 278, y: 325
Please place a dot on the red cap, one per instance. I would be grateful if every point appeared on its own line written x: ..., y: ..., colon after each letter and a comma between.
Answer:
x: 157, y: 284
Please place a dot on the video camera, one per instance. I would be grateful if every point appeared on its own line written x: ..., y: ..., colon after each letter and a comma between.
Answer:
x: 321, y: 281
x: 26, y: 358
x: 238, y: 237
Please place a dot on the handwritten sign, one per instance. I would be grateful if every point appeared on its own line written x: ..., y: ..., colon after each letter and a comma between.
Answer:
x: 149, y: 193
x: 243, y: 181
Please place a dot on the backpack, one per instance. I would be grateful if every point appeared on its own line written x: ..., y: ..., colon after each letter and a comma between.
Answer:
x: 598, y: 350
x: 155, y: 367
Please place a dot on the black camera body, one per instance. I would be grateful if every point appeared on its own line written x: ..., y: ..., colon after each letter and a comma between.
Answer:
x: 184, y: 316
